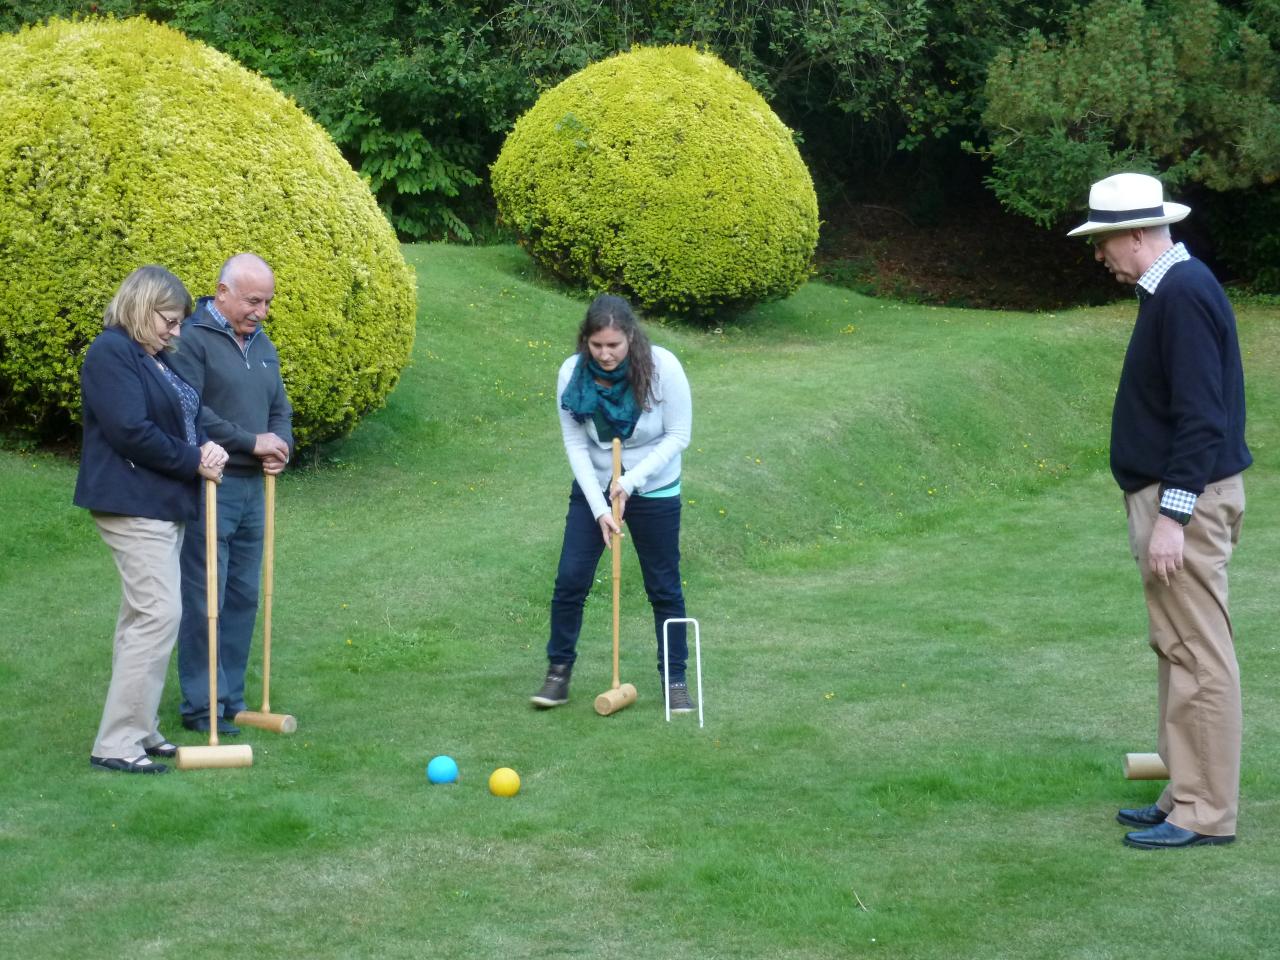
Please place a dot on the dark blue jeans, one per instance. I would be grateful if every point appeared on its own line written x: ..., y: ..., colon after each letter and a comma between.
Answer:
x: 653, y: 526
x: 241, y: 516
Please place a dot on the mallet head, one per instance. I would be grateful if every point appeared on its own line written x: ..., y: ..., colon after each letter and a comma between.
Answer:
x: 209, y: 758
x: 1144, y: 766
x: 611, y: 701
x: 275, y: 722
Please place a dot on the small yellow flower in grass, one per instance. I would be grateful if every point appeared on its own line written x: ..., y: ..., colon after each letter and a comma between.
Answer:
x: 344, y: 606
x: 348, y: 641
x: 722, y: 513
x: 691, y: 502
x: 831, y: 695
x: 849, y: 329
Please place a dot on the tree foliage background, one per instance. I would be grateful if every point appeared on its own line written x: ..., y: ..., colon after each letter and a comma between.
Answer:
x: 1184, y: 88
x: 908, y: 100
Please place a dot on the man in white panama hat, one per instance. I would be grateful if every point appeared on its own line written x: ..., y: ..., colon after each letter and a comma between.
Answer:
x: 1177, y: 452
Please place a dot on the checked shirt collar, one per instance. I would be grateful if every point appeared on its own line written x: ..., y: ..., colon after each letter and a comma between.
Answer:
x: 226, y: 325
x: 1148, y: 282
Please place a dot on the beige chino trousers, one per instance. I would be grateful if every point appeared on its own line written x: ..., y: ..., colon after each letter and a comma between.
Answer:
x: 1199, y: 681
x: 146, y: 553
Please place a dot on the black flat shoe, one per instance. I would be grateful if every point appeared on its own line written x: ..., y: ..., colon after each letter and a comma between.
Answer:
x: 1168, y: 836
x: 164, y: 749
x: 201, y: 725
x: 136, y: 765
x: 1142, y: 817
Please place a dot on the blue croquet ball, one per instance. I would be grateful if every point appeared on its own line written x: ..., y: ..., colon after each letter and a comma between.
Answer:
x: 442, y: 770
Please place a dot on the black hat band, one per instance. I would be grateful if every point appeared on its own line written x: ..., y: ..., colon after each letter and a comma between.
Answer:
x: 1119, y: 216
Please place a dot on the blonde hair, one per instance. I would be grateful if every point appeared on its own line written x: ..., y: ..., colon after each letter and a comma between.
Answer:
x: 144, y: 292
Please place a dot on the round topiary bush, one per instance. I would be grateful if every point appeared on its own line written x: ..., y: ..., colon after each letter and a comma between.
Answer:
x: 660, y: 174
x: 125, y: 143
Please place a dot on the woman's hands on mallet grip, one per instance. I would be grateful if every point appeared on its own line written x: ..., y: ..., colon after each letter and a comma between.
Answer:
x: 212, y: 459
x: 608, y: 526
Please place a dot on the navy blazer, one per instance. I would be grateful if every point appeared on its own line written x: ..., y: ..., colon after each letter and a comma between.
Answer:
x: 135, y: 460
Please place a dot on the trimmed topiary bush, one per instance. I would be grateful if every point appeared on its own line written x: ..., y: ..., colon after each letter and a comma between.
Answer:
x: 660, y: 174
x: 125, y: 143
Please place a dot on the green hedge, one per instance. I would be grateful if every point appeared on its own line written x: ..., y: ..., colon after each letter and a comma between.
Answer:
x: 125, y: 143
x: 662, y: 175
x: 1188, y: 89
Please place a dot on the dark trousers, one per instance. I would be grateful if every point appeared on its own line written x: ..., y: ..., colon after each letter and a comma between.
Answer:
x: 652, y: 524
x: 241, y: 518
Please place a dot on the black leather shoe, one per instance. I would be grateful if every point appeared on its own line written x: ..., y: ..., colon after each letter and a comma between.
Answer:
x: 227, y: 728
x: 201, y: 725
x: 136, y: 765
x: 1142, y: 817
x: 163, y: 749
x: 1167, y: 836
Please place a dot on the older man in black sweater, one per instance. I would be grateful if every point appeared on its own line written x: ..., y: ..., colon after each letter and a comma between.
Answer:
x: 1178, y: 451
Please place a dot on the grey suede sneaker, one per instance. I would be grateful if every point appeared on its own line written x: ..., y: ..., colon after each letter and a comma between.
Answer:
x: 679, y: 694
x: 555, y: 689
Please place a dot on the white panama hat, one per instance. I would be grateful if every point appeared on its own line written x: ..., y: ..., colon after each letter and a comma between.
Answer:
x: 1126, y: 201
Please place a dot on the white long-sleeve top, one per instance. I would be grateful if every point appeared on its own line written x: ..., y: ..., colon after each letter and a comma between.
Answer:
x: 651, y: 455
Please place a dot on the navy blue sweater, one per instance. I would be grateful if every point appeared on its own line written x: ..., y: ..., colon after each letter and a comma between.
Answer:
x: 241, y: 392
x: 1179, y: 410
x: 135, y: 460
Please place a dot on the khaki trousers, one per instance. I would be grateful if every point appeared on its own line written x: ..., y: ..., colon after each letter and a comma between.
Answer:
x: 1199, y: 681
x: 146, y: 553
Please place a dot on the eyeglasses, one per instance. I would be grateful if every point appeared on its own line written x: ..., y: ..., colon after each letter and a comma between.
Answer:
x: 170, y: 324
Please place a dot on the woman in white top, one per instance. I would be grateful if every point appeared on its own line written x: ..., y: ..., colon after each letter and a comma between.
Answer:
x: 618, y: 384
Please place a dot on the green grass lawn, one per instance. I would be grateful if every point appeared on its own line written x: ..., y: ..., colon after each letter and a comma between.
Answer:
x: 924, y: 657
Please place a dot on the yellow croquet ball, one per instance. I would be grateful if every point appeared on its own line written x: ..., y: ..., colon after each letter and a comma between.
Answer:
x: 504, y: 782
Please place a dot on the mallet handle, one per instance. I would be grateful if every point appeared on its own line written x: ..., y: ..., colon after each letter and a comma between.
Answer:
x: 268, y: 583
x: 211, y: 598
x: 616, y: 547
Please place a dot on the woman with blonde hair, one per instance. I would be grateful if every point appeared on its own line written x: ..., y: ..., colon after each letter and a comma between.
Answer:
x: 140, y: 463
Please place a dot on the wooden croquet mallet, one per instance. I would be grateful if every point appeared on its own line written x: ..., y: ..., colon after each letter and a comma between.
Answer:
x: 1144, y: 766
x: 264, y: 719
x: 620, y: 695
x: 237, y: 755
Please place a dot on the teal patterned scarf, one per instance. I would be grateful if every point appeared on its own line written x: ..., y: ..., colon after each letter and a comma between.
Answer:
x: 613, y: 405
